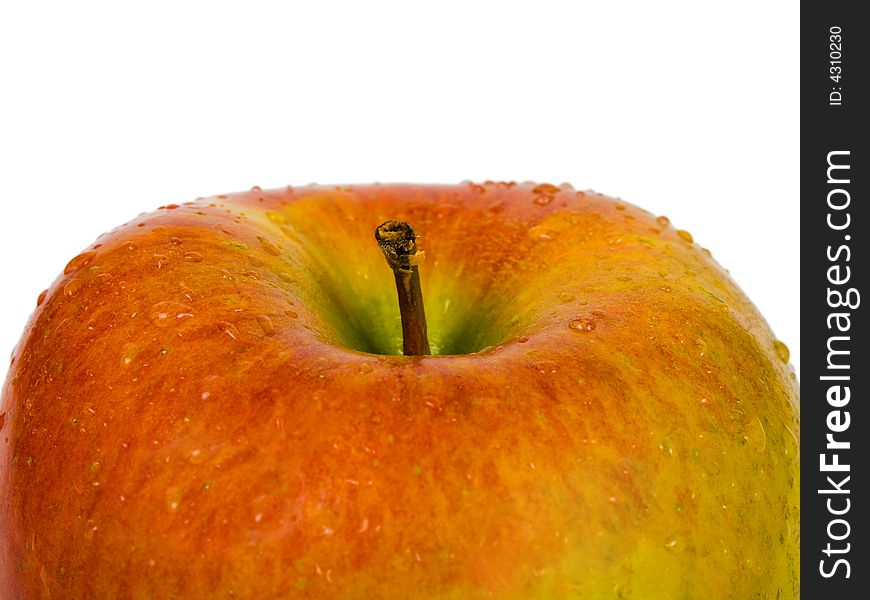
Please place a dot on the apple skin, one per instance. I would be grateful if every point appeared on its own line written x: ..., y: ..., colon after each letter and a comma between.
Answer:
x: 191, y: 412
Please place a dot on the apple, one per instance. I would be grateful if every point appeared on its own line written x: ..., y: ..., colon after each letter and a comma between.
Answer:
x: 212, y: 401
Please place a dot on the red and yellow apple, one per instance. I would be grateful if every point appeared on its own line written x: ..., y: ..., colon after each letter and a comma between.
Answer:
x: 211, y: 402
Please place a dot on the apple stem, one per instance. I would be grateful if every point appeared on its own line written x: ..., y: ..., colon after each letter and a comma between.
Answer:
x: 399, y: 245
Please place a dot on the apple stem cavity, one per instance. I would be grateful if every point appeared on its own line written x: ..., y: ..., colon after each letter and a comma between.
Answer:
x: 399, y: 245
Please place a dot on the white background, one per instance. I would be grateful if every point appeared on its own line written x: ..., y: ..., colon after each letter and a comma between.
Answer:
x: 687, y: 109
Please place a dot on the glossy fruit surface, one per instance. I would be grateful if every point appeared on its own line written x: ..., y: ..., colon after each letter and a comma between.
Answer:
x: 209, y: 403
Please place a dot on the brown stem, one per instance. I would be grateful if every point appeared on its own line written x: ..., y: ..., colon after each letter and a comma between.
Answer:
x: 399, y: 245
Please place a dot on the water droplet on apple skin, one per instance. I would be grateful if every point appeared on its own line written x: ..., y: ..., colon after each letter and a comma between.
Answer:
x: 685, y: 235
x: 269, y: 246
x: 276, y: 217
x: 166, y: 314
x: 546, y: 188
x: 41, y: 298
x: 72, y: 286
x: 663, y: 221
x: 79, y: 262
x: 228, y: 329
x: 540, y: 233
x: 782, y: 351
x: 194, y: 257
x: 266, y: 324
x: 581, y: 324
x: 128, y: 353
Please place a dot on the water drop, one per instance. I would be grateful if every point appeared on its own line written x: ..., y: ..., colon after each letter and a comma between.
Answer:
x: 620, y: 207
x: 685, y: 235
x: 543, y: 200
x: 193, y: 257
x: 72, y: 286
x: 545, y: 188
x: 165, y: 314
x: 523, y: 339
x: 176, y: 241
x: 781, y: 351
x: 291, y: 314
x: 161, y: 260
x: 255, y: 260
x: 128, y: 353
x: 269, y: 246
x: 581, y: 324
x: 663, y: 221
x: 366, y: 368
x: 266, y: 324
x: 79, y: 262
x: 540, y: 233
x: 130, y: 246
x: 276, y: 217
x: 256, y: 189
x: 229, y: 329
x: 41, y: 298
x: 565, y: 297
